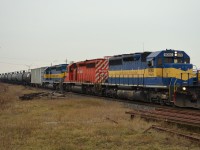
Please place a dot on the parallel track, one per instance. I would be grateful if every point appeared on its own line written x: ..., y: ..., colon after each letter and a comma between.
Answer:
x: 185, y: 116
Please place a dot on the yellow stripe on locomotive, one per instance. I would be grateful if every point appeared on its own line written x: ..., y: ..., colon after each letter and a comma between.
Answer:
x: 154, y: 72
x: 161, y: 68
x: 51, y: 76
x: 55, y: 73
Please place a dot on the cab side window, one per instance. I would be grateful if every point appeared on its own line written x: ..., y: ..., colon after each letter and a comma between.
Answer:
x: 169, y: 60
x: 150, y: 63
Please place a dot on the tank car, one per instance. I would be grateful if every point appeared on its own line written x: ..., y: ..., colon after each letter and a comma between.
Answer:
x: 9, y: 77
x: 14, y: 77
x: 25, y: 77
x: 6, y: 77
x: 1, y: 77
x: 19, y: 76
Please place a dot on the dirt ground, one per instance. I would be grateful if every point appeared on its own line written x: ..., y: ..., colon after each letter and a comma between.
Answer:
x: 75, y: 122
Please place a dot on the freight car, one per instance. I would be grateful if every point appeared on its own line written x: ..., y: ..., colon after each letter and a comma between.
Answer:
x: 37, y: 76
x: 19, y: 77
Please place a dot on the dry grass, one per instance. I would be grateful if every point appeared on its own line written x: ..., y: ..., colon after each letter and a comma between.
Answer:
x: 75, y: 123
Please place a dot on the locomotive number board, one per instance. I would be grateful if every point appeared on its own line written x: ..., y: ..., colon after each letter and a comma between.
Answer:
x: 172, y: 55
x: 168, y: 54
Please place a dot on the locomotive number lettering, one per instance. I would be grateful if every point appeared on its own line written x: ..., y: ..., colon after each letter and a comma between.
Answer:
x: 151, y: 71
x: 168, y: 54
x: 180, y: 55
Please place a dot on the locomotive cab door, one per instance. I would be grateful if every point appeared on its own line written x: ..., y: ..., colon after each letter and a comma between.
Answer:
x: 155, y: 71
x: 72, y: 70
x: 75, y: 74
x: 150, y: 64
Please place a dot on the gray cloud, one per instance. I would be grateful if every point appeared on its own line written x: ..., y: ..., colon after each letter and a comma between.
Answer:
x: 38, y: 32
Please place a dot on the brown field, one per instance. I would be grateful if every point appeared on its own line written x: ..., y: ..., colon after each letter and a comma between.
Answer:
x: 75, y: 122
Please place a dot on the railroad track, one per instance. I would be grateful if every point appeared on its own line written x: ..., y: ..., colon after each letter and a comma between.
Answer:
x: 139, y: 103
x: 169, y: 115
x: 154, y: 111
x: 185, y: 116
x: 131, y: 102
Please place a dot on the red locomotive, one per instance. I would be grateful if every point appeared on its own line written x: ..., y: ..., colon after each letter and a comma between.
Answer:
x: 88, y: 71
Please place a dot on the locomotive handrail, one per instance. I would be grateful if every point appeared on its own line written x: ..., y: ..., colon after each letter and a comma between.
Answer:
x: 175, y: 84
x: 188, y: 77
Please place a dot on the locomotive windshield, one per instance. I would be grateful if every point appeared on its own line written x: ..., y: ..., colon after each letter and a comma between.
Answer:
x: 175, y: 57
x: 176, y: 60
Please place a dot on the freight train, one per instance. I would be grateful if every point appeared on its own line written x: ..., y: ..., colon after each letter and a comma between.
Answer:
x: 166, y: 77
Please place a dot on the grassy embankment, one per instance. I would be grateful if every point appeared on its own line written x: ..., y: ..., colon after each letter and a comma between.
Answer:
x: 75, y: 123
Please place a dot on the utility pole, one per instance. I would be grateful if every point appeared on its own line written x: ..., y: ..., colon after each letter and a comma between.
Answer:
x: 143, y: 46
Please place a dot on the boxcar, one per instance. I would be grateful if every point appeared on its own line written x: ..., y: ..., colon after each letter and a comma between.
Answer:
x: 37, y: 75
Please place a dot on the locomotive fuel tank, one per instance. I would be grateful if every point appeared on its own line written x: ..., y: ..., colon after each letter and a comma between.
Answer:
x: 48, y: 86
x: 77, y: 89
x: 131, y: 95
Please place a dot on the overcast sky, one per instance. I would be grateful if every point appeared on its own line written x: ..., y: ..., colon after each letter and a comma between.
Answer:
x: 35, y: 33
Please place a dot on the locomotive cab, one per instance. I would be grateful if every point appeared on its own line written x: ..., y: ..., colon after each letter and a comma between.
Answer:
x: 172, y: 67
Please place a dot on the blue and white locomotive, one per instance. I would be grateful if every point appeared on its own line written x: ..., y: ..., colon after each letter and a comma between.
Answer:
x: 164, y: 76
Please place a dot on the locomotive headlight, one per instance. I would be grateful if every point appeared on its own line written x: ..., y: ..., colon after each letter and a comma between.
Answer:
x: 175, y: 53
x: 184, y: 88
